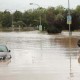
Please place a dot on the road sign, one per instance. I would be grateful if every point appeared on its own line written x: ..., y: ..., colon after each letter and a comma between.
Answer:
x: 69, y: 19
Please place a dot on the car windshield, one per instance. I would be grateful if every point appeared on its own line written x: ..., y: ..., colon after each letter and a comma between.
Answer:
x: 3, y: 48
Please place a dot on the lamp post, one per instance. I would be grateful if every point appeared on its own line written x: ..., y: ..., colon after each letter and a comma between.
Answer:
x: 40, y: 25
x: 12, y: 23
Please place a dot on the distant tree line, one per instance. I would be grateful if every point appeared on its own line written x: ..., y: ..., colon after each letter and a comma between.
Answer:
x: 53, y: 19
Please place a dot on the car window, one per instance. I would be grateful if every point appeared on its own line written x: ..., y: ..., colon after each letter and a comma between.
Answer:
x: 3, y: 49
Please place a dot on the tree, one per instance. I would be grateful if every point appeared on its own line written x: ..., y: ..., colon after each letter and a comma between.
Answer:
x: 50, y: 16
x: 59, y: 10
x: 17, y: 16
x: 21, y: 23
x: 6, y: 19
x: 27, y: 17
x: 75, y: 20
x: 1, y: 17
x: 55, y: 19
x: 78, y: 9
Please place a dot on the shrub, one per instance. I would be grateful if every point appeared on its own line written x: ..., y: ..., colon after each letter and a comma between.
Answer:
x: 53, y: 29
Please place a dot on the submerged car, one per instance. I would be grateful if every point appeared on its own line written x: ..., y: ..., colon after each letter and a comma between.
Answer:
x: 4, y: 52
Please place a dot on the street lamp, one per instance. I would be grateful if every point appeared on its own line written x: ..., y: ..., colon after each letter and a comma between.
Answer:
x: 40, y: 26
x: 34, y: 4
x: 12, y: 23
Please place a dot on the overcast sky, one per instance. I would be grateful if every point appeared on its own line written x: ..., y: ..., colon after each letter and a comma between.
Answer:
x: 23, y: 5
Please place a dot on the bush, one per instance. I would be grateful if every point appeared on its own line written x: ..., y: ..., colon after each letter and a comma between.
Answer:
x: 53, y: 29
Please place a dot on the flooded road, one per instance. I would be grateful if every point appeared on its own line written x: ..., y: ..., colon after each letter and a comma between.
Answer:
x: 39, y: 56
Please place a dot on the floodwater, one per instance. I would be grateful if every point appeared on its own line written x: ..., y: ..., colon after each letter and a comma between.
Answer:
x: 40, y: 56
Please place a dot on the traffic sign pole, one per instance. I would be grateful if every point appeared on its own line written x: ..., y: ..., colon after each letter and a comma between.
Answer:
x: 69, y: 21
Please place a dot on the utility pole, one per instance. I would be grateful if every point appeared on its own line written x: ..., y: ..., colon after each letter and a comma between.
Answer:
x: 69, y: 18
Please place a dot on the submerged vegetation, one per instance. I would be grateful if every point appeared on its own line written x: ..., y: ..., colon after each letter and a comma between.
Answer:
x: 53, y: 19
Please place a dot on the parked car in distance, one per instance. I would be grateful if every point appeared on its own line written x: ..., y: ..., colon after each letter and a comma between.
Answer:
x: 4, y: 52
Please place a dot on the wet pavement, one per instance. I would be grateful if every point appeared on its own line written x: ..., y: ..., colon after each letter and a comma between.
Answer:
x: 40, y: 56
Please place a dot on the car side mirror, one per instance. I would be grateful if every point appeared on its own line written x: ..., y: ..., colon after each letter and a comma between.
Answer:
x: 9, y: 50
x: 78, y: 43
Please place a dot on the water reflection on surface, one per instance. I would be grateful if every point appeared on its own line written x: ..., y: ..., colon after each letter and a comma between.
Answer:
x: 39, y: 56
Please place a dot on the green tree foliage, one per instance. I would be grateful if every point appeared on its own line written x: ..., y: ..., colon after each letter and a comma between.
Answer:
x: 6, y: 19
x: 77, y: 11
x: 50, y: 16
x: 75, y: 21
x: 53, y: 19
x: 59, y: 9
x: 17, y: 16
x: 20, y: 23
x: 28, y: 17
x: 1, y: 17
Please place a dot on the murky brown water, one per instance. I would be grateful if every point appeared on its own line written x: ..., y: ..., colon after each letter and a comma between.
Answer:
x: 39, y: 56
